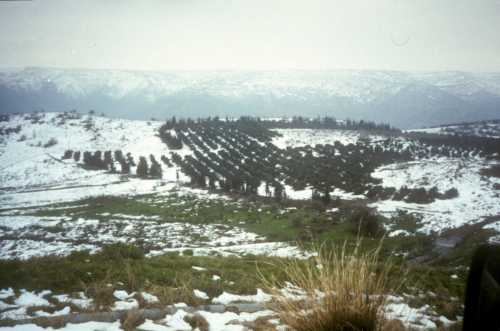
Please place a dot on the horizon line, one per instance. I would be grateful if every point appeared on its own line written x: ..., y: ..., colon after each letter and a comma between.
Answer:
x: 13, y: 68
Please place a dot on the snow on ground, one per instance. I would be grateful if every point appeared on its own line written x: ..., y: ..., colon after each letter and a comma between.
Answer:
x: 41, y: 236
x: 275, y: 249
x: 16, y: 222
x: 416, y: 318
x: 303, y: 137
x: 227, y: 298
x: 487, y: 129
x: 304, y: 194
x: 307, y: 193
x: 132, y: 186
x: 81, y: 301
x: 200, y: 294
x: 101, y: 326
x: 27, y: 304
x: 33, y: 175
x: 477, y: 197
x: 31, y: 299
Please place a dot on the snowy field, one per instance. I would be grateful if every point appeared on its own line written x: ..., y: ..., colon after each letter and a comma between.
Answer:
x: 33, y: 175
x: 41, y: 236
x: 303, y: 137
x: 24, y: 235
x: 477, y: 196
x: 30, y: 170
x: 488, y: 129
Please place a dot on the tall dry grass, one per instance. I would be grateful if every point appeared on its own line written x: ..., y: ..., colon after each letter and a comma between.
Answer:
x: 341, y: 289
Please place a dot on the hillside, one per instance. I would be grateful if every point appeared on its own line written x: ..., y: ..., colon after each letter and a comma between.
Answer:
x: 486, y: 129
x: 131, y: 213
x: 247, y: 159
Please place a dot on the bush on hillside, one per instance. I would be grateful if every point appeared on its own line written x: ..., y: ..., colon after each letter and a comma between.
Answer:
x: 68, y: 154
x: 76, y: 156
x: 51, y: 142
x: 450, y: 194
x: 142, y: 168
x: 155, y: 169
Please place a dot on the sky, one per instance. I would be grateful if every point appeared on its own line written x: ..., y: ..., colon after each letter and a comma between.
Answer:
x: 418, y: 35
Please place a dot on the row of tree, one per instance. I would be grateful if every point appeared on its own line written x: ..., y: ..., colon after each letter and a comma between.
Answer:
x: 413, y: 195
x: 98, y: 160
x: 228, y: 158
x: 231, y: 160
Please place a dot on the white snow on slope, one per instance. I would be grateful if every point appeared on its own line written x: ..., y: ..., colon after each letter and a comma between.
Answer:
x: 477, y: 196
x: 488, y: 129
x: 361, y: 86
x: 29, y: 170
x: 33, y: 175
x: 303, y: 137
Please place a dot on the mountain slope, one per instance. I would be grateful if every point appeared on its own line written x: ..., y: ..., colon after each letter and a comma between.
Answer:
x: 408, y: 100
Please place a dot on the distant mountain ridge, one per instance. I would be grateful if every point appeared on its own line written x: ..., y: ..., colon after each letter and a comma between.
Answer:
x: 403, y: 99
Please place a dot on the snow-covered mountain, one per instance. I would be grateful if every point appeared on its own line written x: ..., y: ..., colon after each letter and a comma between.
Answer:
x: 404, y: 99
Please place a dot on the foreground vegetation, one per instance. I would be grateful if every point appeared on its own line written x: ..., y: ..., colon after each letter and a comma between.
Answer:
x: 351, y: 286
x: 429, y: 278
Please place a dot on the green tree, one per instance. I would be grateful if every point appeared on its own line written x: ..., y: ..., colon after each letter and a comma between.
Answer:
x: 142, y: 168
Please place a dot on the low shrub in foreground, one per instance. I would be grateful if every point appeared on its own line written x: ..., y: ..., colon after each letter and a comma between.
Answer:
x: 341, y: 290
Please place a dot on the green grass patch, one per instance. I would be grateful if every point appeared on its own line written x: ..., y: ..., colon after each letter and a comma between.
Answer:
x: 125, y: 264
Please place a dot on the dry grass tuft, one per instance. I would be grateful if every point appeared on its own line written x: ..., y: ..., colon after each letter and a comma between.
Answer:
x: 171, y: 295
x: 197, y: 322
x: 260, y: 324
x: 394, y: 325
x: 132, y: 319
x: 102, y: 295
x: 55, y: 322
x: 341, y: 290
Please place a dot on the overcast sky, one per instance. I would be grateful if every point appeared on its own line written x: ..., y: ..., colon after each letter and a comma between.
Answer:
x: 207, y: 35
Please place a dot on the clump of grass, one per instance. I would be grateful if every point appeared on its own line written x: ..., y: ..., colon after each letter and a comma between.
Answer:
x: 342, y: 289
x: 131, y: 320
x: 365, y: 223
x: 102, y: 296
x: 122, y: 251
x: 197, y: 322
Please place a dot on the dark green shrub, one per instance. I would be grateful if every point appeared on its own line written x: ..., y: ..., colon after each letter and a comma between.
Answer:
x: 450, y: 194
x: 365, y: 223
x: 122, y: 251
x: 142, y: 168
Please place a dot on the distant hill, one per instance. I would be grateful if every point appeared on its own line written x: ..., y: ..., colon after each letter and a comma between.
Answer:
x: 404, y: 99
x: 484, y: 129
